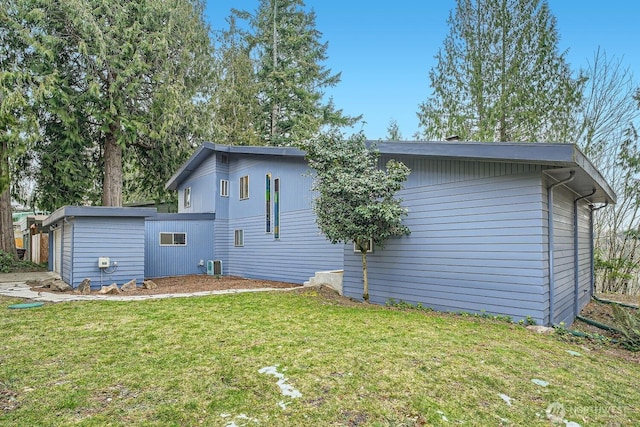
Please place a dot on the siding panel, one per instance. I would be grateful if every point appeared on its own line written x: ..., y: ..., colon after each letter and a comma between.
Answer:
x: 296, y: 256
x: 477, y: 243
x: 120, y: 239
x: 162, y: 261
x: 564, y: 270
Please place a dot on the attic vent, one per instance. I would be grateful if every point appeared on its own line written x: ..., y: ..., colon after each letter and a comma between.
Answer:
x: 214, y: 268
x: 224, y: 159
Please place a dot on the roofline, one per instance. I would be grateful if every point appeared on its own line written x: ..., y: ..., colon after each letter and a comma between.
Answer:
x: 183, y: 217
x: 98, y: 211
x: 205, y: 150
x: 547, y: 154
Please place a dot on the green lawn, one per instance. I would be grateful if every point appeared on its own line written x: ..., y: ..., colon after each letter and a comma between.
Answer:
x: 195, y: 361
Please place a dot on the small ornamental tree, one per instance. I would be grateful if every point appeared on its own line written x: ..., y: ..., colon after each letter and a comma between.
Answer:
x: 355, y: 200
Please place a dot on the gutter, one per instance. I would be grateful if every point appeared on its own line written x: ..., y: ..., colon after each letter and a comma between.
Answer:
x: 576, y: 254
x: 550, y: 242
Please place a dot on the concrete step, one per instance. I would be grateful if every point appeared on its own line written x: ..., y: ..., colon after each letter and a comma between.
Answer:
x: 333, y: 279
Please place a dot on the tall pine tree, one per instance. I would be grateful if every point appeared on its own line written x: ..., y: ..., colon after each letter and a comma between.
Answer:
x: 20, y: 87
x: 288, y: 53
x: 235, y: 105
x: 500, y: 76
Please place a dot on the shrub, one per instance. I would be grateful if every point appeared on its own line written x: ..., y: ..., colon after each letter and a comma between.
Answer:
x: 6, y: 262
x: 628, y: 323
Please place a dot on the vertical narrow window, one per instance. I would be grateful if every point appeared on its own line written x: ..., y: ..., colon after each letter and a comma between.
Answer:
x: 187, y: 197
x: 267, y: 198
x: 238, y: 238
x: 244, y: 187
x: 276, y: 208
x: 224, y: 188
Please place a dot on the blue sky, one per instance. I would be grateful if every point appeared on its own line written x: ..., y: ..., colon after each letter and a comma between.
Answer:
x: 385, y: 50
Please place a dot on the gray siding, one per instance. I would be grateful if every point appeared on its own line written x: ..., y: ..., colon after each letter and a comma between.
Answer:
x: 121, y: 239
x: 162, y: 261
x: 223, y: 241
x: 563, y: 252
x: 476, y: 243
x: 429, y: 171
x: 67, y: 254
x: 204, y: 188
x: 296, y: 256
x: 584, y: 254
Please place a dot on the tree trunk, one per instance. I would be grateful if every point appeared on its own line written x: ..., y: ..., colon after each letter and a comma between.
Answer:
x: 112, y: 183
x: 7, y: 238
x: 365, y: 276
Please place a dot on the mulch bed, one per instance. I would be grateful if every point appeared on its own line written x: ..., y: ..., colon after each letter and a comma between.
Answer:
x: 197, y: 283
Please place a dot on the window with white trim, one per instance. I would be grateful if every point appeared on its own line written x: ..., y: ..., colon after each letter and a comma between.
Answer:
x: 224, y: 187
x: 244, y: 187
x: 369, y: 246
x: 173, y: 239
x: 187, y: 197
x: 238, y: 238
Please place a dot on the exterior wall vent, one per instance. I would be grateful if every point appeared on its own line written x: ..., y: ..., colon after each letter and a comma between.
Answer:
x: 214, y: 268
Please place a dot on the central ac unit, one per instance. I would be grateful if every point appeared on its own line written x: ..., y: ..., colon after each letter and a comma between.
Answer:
x: 214, y: 268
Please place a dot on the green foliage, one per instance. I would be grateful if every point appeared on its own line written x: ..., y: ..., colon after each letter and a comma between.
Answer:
x: 287, y: 56
x: 393, y: 131
x: 628, y: 322
x: 9, y: 264
x: 6, y: 262
x: 235, y: 104
x: 129, y: 80
x: 402, y: 305
x: 355, y: 199
x: 500, y: 77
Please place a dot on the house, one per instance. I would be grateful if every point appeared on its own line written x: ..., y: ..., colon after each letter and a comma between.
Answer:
x: 489, y: 222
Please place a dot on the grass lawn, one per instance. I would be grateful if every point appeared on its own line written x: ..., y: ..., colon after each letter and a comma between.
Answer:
x: 196, y: 361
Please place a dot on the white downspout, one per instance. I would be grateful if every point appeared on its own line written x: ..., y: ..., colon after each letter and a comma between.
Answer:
x: 550, y: 242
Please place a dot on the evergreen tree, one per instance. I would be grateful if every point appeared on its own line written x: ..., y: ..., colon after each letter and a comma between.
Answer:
x: 235, y: 106
x: 19, y: 88
x: 355, y: 200
x: 500, y: 76
x: 393, y: 131
x: 130, y: 76
x: 288, y: 55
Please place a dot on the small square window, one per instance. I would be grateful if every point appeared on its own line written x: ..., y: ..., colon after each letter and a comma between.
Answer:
x: 166, y: 239
x: 224, y: 188
x: 369, y: 247
x: 187, y: 197
x: 224, y: 159
x: 238, y: 238
x: 244, y: 187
